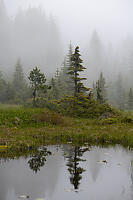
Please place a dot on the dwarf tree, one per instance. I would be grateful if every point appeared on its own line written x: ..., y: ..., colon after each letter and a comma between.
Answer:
x: 37, y: 81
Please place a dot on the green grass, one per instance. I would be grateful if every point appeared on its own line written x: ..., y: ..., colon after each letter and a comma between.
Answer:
x: 25, y: 129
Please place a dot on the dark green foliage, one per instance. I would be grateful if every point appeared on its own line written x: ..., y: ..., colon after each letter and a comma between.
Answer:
x: 82, y: 106
x: 37, y: 81
x: 74, y: 70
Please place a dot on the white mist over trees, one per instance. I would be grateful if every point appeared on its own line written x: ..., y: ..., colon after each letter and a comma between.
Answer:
x: 38, y: 40
x: 31, y: 36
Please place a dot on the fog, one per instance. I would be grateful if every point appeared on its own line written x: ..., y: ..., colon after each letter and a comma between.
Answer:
x: 39, y: 33
x: 76, y: 18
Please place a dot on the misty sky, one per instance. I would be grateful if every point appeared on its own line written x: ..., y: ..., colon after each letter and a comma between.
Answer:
x: 77, y: 18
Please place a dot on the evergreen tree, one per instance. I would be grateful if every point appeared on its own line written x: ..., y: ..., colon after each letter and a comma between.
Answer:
x: 37, y: 81
x: 99, y: 92
x: 101, y: 89
x: 74, y: 70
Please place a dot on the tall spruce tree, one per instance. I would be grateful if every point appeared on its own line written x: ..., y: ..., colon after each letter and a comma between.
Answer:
x: 74, y: 70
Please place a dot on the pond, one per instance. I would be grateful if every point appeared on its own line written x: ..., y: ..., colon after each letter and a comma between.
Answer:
x: 69, y: 172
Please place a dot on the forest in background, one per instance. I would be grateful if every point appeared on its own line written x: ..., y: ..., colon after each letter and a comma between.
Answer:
x: 36, y: 40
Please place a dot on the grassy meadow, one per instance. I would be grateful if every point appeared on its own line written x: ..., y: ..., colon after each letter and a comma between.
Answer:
x: 23, y: 129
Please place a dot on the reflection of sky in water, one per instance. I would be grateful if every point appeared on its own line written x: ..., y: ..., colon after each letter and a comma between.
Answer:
x: 100, y: 181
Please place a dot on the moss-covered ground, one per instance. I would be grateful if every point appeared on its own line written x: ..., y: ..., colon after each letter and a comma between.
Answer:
x: 24, y: 129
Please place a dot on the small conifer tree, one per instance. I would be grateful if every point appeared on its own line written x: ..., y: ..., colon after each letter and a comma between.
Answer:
x: 101, y: 89
x: 37, y: 81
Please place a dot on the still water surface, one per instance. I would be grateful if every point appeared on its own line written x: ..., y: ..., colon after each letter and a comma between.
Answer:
x: 69, y: 173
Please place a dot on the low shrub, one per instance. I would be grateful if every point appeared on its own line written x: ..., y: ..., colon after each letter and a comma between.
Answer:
x: 127, y: 119
x: 50, y: 117
x: 81, y: 106
x: 108, y: 121
x: 116, y: 119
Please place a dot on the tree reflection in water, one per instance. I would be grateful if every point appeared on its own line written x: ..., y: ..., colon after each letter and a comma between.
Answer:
x: 74, y: 169
x: 38, y: 159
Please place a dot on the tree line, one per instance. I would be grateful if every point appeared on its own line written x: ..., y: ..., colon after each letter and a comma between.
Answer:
x: 66, y: 81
